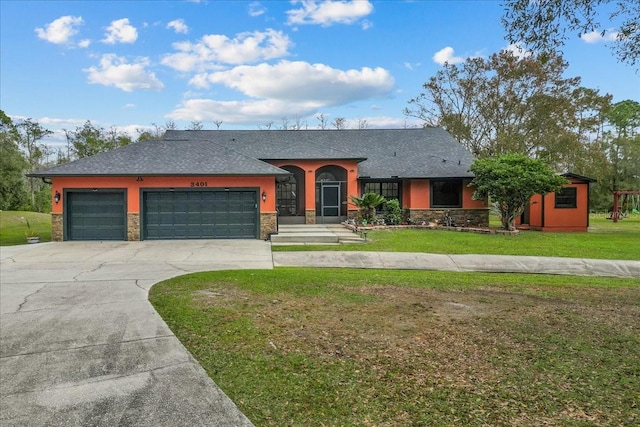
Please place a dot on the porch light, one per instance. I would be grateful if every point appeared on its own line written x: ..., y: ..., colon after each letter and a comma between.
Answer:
x: 264, y: 196
x: 56, y: 197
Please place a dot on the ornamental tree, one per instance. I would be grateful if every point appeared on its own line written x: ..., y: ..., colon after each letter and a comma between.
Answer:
x: 510, y: 180
x: 367, y: 205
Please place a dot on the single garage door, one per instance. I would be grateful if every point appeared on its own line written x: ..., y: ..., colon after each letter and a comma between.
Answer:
x: 209, y: 214
x: 97, y: 215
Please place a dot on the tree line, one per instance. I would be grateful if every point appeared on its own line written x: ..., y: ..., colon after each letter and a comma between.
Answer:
x: 508, y: 104
x: 24, y: 150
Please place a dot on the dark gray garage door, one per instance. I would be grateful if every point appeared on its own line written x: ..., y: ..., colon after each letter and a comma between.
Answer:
x: 97, y: 215
x: 212, y: 214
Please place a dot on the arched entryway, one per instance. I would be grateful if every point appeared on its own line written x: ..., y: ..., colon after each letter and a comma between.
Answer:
x: 290, y: 196
x: 331, y: 194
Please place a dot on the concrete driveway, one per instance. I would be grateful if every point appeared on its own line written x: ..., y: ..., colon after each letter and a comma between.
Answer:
x: 81, y: 345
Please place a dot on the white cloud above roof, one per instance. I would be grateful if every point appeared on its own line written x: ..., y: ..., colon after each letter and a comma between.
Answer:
x: 117, y: 72
x: 298, y: 80
x: 285, y: 89
x: 120, y: 31
x: 178, y: 26
x: 600, y: 36
x: 61, y: 30
x: 329, y: 12
x: 215, y: 49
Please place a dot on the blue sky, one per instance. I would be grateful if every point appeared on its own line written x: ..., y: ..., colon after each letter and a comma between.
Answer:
x: 249, y: 63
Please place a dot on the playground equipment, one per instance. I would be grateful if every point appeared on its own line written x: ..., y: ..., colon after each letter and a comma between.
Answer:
x: 631, y: 199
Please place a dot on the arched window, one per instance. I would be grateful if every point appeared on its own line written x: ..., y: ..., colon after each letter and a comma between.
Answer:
x: 290, y: 192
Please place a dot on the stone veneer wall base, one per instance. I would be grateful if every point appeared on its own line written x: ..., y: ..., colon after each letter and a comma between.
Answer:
x: 57, y: 227
x: 466, y: 217
x: 310, y: 216
x: 133, y: 226
x: 267, y: 224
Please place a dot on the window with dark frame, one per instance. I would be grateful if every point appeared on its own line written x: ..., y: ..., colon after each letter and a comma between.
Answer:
x: 387, y: 189
x: 446, y: 193
x: 567, y: 197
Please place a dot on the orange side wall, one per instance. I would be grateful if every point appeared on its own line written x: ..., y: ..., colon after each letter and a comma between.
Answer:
x: 133, y: 186
x: 567, y: 219
x: 544, y: 216
x: 467, y: 197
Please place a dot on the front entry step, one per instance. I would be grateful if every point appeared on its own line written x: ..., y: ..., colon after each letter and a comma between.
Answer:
x: 313, y: 234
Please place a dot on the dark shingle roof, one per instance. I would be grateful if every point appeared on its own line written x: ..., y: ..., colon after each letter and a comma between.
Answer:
x: 165, y: 158
x: 405, y: 153
x: 382, y: 153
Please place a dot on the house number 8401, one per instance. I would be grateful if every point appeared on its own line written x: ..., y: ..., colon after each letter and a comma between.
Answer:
x: 198, y: 184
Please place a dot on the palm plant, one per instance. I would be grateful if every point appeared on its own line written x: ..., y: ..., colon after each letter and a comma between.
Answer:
x: 367, y: 205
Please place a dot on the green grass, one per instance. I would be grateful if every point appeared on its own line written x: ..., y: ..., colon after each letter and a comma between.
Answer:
x: 605, y: 240
x: 380, y: 347
x: 13, y: 226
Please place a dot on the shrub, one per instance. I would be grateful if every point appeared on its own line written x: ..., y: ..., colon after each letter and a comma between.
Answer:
x: 392, y: 212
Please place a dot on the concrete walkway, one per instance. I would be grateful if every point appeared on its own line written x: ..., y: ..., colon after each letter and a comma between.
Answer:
x: 484, y: 263
x: 80, y: 344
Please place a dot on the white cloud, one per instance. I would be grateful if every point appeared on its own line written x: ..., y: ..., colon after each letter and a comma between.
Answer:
x: 411, y: 67
x: 84, y: 43
x: 115, y: 71
x: 386, y: 122
x: 286, y: 89
x: 256, y: 9
x: 298, y: 81
x: 178, y: 26
x: 609, y: 35
x: 120, y: 31
x: 446, y: 55
x: 518, y: 51
x: 67, y: 123
x: 246, y: 111
x: 61, y: 30
x: 329, y: 12
x: 215, y: 49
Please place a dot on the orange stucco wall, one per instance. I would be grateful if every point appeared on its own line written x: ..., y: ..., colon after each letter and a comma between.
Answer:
x: 568, y: 219
x: 535, y: 211
x: 419, y: 196
x: 133, y: 186
x: 311, y: 166
x: 543, y: 215
x: 467, y: 197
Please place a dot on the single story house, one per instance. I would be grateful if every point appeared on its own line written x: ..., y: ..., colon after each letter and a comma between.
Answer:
x: 240, y: 184
x: 564, y: 210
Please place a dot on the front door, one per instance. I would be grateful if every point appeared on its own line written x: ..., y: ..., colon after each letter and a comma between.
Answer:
x: 330, y: 201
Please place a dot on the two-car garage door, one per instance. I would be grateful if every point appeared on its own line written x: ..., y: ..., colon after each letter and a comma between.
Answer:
x: 176, y: 214
x: 213, y: 214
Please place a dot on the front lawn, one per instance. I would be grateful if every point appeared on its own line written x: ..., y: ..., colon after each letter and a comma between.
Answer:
x: 381, y: 347
x: 605, y: 240
x: 13, y: 226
